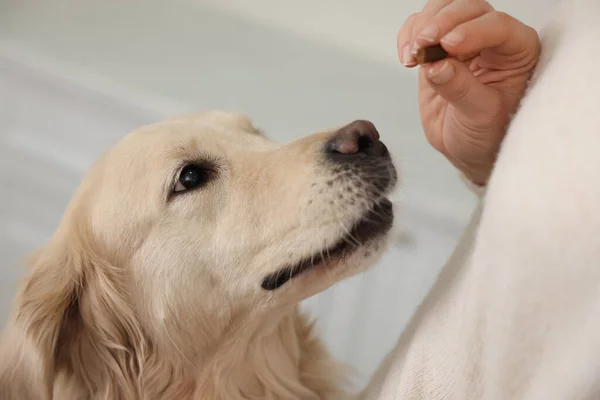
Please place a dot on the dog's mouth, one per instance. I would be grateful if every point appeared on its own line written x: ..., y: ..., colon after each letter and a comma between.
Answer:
x: 374, y: 224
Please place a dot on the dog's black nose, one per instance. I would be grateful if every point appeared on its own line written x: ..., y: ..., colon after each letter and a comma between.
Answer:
x: 358, y: 137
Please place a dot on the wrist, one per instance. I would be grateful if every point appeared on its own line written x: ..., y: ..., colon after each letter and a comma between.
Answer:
x: 477, y: 168
x: 478, y: 178
x: 477, y: 173
x: 476, y: 188
x: 475, y: 155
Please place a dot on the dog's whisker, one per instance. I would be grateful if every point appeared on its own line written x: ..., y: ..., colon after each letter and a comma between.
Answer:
x: 349, y: 238
x: 183, y: 304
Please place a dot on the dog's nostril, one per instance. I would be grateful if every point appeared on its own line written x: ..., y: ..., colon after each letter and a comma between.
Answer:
x: 364, y: 143
x: 358, y: 137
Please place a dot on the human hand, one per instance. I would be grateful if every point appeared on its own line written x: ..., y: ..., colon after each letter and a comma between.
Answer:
x: 466, y: 101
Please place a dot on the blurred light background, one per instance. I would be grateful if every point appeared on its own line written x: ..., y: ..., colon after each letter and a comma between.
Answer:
x: 76, y: 75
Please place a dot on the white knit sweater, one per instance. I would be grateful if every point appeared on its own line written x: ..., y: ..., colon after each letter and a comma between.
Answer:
x: 515, y: 315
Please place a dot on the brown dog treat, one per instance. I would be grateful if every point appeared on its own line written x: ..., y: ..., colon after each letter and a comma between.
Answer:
x: 431, y: 54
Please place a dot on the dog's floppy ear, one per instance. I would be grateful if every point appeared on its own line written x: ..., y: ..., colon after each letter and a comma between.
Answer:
x: 70, y: 316
x: 30, y: 341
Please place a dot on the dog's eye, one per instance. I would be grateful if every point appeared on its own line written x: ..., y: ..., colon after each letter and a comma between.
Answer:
x: 191, y: 177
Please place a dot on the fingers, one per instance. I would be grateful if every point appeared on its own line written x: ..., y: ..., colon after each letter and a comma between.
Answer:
x: 414, y: 23
x: 453, y: 81
x: 432, y: 8
x: 403, y: 40
x: 464, y: 28
x: 508, y: 37
x: 445, y: 20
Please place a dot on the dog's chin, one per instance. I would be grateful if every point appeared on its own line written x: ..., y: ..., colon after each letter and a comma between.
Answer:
x: 365, y: 236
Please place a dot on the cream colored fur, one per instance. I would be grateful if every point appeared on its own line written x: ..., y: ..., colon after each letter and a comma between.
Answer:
x: 139, y: 296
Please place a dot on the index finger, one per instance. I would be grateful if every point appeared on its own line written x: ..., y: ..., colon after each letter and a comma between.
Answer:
x: 497, y: 31
x: 446, y: 19
x: 414, y: 23
x: 403, y: 41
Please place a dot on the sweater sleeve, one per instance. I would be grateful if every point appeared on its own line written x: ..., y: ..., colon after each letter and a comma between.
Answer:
x: 515, y: 313
x: 404, y: 372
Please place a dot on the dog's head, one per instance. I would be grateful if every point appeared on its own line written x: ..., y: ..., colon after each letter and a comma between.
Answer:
x: 192, y: 222
x: 204, y: 210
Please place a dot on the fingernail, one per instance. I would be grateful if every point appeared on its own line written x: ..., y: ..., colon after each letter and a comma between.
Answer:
x: 442, y: 73
x: 429, y: 33
x: 407, y: 58
x: 453, y: 38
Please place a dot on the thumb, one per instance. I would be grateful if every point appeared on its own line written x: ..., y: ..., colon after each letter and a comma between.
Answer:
x: 452, y: 80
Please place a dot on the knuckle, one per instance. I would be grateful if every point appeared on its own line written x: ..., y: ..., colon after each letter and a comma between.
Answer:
x: 418, y: 27
x: 470, y: 4
x: 487, y: 5
x: 503, y: 17
x: 461, y: 89
x: 451, y: 17
x: 460, y: 92
x: 477, y: 7
x: 405, y: 32
x: 402, y: 37
x: 411, y: 18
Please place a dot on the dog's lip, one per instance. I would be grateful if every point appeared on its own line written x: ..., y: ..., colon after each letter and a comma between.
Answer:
x: 375, y: 223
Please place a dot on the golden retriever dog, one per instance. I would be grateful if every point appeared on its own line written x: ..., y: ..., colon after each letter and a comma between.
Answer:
x: 178, y: 267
